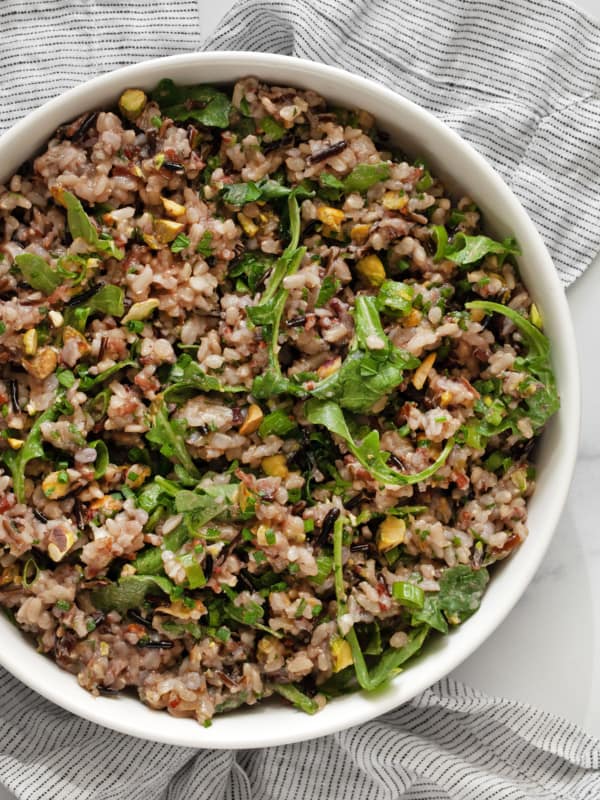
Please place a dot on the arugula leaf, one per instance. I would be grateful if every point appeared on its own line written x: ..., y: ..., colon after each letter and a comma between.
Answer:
x: 430, y: 614
x: 363, y: 176
x: 366, y: 374
x: 465, y: 249
x: 461, y: 590
x: 395, y: 296
x: 38, y: 273
x: 278, y: 422
x: 272, y: 128
x: 17, y: 460
x: 540, y: 404
x: 331, y: 188
x: 269, y: 310
x: 238, y: 194
x: 250, y: 613
x: 252, y: 266
x: 130, y: 592
x: 368, y: 452
x: 201, y: 103
x: 81, y: 227
x: 204, y: 247
x: 108, y: 300
x: 89, y: 382
x: 296, y: 697
x: 389, y: 663
x: 179, y: 243
x: 187, y: 377
x: 329, y: 288
x: 169, y: 435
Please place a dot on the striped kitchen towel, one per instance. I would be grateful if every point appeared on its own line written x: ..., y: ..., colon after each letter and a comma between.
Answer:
x: 450, y: 743
x: 520, y: 81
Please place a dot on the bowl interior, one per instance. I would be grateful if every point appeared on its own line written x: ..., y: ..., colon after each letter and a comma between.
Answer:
x: 418, y: 133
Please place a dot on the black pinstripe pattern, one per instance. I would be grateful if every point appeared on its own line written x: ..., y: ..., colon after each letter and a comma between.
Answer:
x: 519, y: 80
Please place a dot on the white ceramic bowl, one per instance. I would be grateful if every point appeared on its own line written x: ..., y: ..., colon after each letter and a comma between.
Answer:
x: 419, y: 133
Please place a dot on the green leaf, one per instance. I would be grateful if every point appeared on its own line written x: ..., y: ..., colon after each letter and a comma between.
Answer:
x: 368, y: 452
x: 363, y: 176
x: 277, y: 423
x: 129, y: 592
x: 187, y: 378
x: 38, y: 273
x: 391, y: 661
x: 273, y: 130
x: 540, y: 405
x: 89, y: 382
x: 17, y: 460
x: 238, y: 194
x: 324, y: 567
x: 395, y: 296
x: 102, y: 458
x: 461, y: 590
x: 366, y: 375
x: 108, y: 300
x: 296, y: 697
x: 179, y: 243
x: 81, y: 227
x: 464, y: 250
x: 252, y: 267
x: 329, y: 288
x: 204, y: 246
x: 430, y: 614
x: 201, y: 103
x: 169, y: 435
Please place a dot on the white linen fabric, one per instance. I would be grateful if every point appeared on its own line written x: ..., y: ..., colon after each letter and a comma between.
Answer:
x: 520, y: 81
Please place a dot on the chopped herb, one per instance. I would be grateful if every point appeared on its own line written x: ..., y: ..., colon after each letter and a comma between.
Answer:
x: 180, y: 242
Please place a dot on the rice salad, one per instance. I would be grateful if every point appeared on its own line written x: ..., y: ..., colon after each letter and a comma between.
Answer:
x: 268, y: 396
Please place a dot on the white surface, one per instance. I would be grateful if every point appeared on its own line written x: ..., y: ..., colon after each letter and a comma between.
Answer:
x: 548, y: 650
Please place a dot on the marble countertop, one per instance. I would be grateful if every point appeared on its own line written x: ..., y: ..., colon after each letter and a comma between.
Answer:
x: 547, y: 652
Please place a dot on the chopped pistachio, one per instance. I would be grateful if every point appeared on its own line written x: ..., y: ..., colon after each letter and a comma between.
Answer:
x: 394, y: 201
x: 275, y: 466
x: 360, y: 233
x: 63, y: 541
x: 30, y: 342
x: 329, y: 367
x: 172, y: 208
x: 53, y: 487
x: 167, y: 229
x: 15, y: 444
x: 42, y: 364
x: 422, y: 372
x: 371, y: 269
x: 250, y: 227
x: 341, y: 654
x: 56, y: 318
x: 132, y: 102
x: 332, y: 217
x: 252, y: 421
x: 136, y: 475
x: 445, y: 399
x: 391, y: 533
x: 535, y: 316
x: 141, y: 310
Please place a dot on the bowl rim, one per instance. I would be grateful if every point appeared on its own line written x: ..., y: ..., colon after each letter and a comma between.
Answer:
x: 99, y: 710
